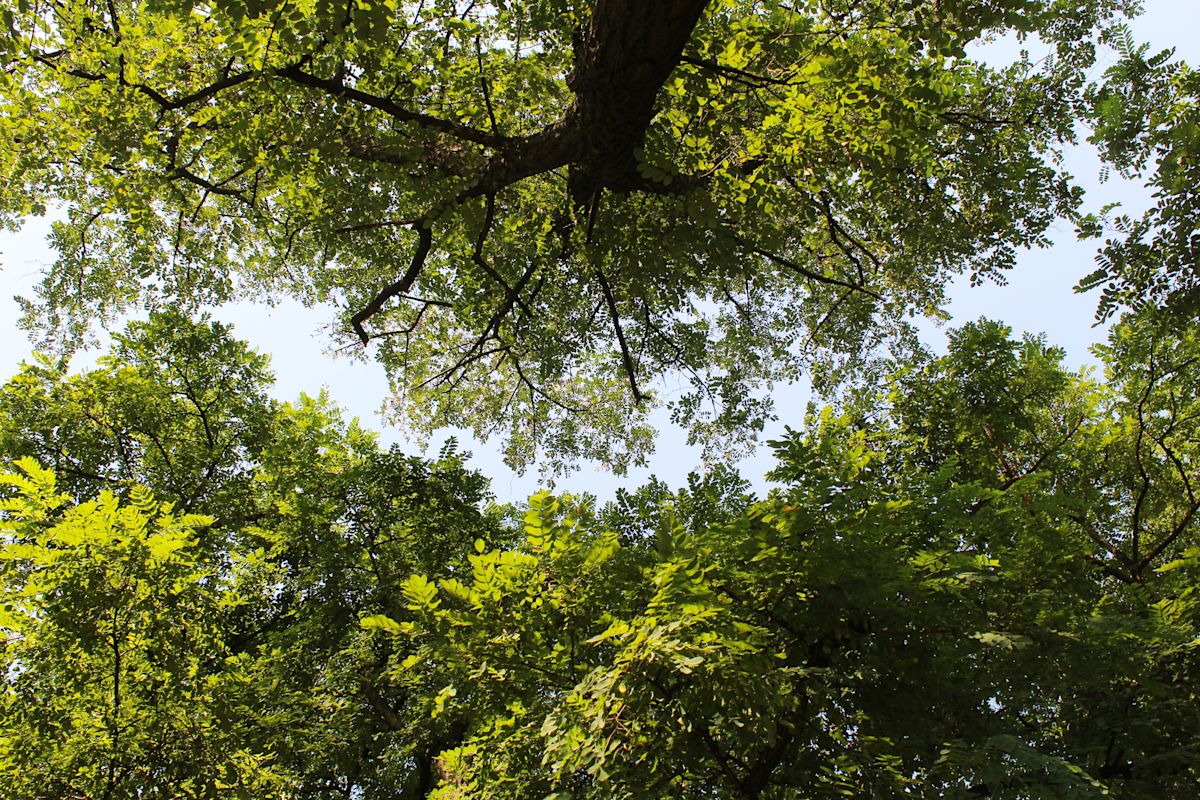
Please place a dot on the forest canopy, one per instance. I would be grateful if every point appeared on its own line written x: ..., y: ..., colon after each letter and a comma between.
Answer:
x: 535, y: 213
x: 974, y: 574
x: 977, y: 579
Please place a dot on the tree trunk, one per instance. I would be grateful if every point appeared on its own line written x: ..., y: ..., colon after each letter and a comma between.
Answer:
x: 622, y: 59
x: 621, y: 62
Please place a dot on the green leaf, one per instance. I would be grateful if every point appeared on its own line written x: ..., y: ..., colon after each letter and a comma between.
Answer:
x: 380, y: 622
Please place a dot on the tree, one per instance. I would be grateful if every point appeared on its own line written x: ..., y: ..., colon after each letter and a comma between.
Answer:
x: 536, y: 211
x: 149, y: 650
x: 178, y: 407
x: 115, y: 674
x: 948, y: 597
x: 976, y: 579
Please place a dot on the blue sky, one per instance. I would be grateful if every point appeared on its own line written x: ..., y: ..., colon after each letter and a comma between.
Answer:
x: 1038, y: 298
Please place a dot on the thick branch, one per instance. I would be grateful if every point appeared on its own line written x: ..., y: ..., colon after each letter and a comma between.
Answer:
x: 770, y: 758
x: 429, y: 155
x: 198, y: 96
x: 622, y: 58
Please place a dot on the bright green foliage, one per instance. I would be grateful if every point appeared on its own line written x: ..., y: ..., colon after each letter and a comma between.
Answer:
x: 955, y: 594
x: 1146, y: 117
x: 535, y: 211
x: 975, y: 580
x: 176, y: 406
x: 116, y: 674
x: 212, y: 656
x: 978, y: 579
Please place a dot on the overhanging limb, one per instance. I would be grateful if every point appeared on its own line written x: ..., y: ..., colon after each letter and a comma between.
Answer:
x: 402, y: 286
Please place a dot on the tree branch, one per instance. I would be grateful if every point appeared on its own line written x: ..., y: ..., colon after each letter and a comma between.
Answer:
x: 626, y: 358
x: 388, y: 714
x: 487, y: 92
x: 336, y: 87
x: 164, y: 102
x: 424, y: 241
x: 770, y: 758
x: 1100, y: 541
x: 481, y: 262
x: 516, y: 362
x: 1170, y: 538
x: 750, y: 79
x: 209, y: 186
x: 1137, y: 457
x: 426, y: 304
x: 371, y: 226
x: 198, y: 96
x: 807, y: 273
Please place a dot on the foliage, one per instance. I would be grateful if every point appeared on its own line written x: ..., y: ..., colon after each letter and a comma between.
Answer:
x: 1146, y: 116
x: 977, y: 579
x: 537, y: 211
x: 116, y: 681
x: 177, y: 407
x: 148, y: 654
x: 956, y: 593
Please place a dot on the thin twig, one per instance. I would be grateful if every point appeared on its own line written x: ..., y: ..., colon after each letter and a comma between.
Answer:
x: 807, y: 273
x: 626, y: 358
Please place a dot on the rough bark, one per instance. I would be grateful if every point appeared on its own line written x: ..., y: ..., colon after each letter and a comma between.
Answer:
x: 621, y: 63
x: 622, y: 59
